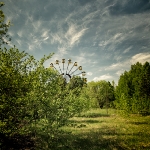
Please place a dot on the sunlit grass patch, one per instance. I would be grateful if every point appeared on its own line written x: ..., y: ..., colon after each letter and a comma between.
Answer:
x: 109, y: 131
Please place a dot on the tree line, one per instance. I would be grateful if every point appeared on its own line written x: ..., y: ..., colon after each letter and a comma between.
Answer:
x: 132, y: 94
x: 133, y: 90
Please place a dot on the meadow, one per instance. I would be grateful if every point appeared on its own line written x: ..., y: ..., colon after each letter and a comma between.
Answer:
x: 98, y: 130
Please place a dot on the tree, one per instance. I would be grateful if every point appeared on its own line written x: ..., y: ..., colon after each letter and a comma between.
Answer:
x: 13, y: 89
x: 102, y: 91
x: 132, y: 92
x: 4, y: 37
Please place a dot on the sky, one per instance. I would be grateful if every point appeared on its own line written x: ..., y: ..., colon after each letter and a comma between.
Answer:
x: 105, y: 37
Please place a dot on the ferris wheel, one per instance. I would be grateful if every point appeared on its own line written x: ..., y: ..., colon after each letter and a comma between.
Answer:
x: 68, y: 69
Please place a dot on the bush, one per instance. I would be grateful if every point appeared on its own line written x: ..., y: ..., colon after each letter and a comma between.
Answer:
x: 35, y: 99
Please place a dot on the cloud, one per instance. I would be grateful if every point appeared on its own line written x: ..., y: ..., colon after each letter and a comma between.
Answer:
x: 115, y: 66
x: 45, y: 34
x: 89, y: 73
x: 11, y: 33
x: 46, y: 38
x: 74, y: 34
x: 119, y: 72
x: 75, y: 38
x: 80, y: 59
x: 66, y: 40
x: 18, y: 41
x: 106, y: 36
x: 141, y: 57
x: 129, y: 7
x: 85, y: 58
x: 103, y: 77
x: 122, y: 32
x: 62, y: 50
x: 127, y: 49
x: 116, y: 39
x: 56, y: 38
x: 91, y: 54
x: 20, y: 33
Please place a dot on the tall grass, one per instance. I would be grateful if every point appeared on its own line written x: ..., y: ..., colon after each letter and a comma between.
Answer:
x: 97, y: 130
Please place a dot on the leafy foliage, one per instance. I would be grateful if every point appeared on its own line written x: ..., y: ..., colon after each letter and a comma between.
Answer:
x: 133, y: 90
x: 35, y: 99
x: 101, y: 91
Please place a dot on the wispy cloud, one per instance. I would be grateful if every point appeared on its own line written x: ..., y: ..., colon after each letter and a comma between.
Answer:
x: 103, y: 77
x: 75, y: 38
x: 69, y: 39
x: 116, y: 66
x: 74, y: 34
x: 127, y: 49
x: 114, y: 40
x: 62, y: 50
x: 102, y: 36
x: 20, y: 33
x: 56, y: 38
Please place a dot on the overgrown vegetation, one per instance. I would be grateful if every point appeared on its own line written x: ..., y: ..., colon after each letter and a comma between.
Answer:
x: 101, y: 94
x: 133, y: 90
x: 34, y: 99
x: 38, y: 108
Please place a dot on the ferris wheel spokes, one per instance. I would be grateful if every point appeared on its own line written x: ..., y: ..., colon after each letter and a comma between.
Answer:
x: 65, y: 72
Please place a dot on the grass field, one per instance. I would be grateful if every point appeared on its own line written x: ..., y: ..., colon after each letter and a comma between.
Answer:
x: 97, y: 130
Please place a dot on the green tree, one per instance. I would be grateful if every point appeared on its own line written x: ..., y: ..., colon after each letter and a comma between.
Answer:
x: 102, y: 91
x: 122, y: 92
x: 132, y: 92
x: 13, y: 89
